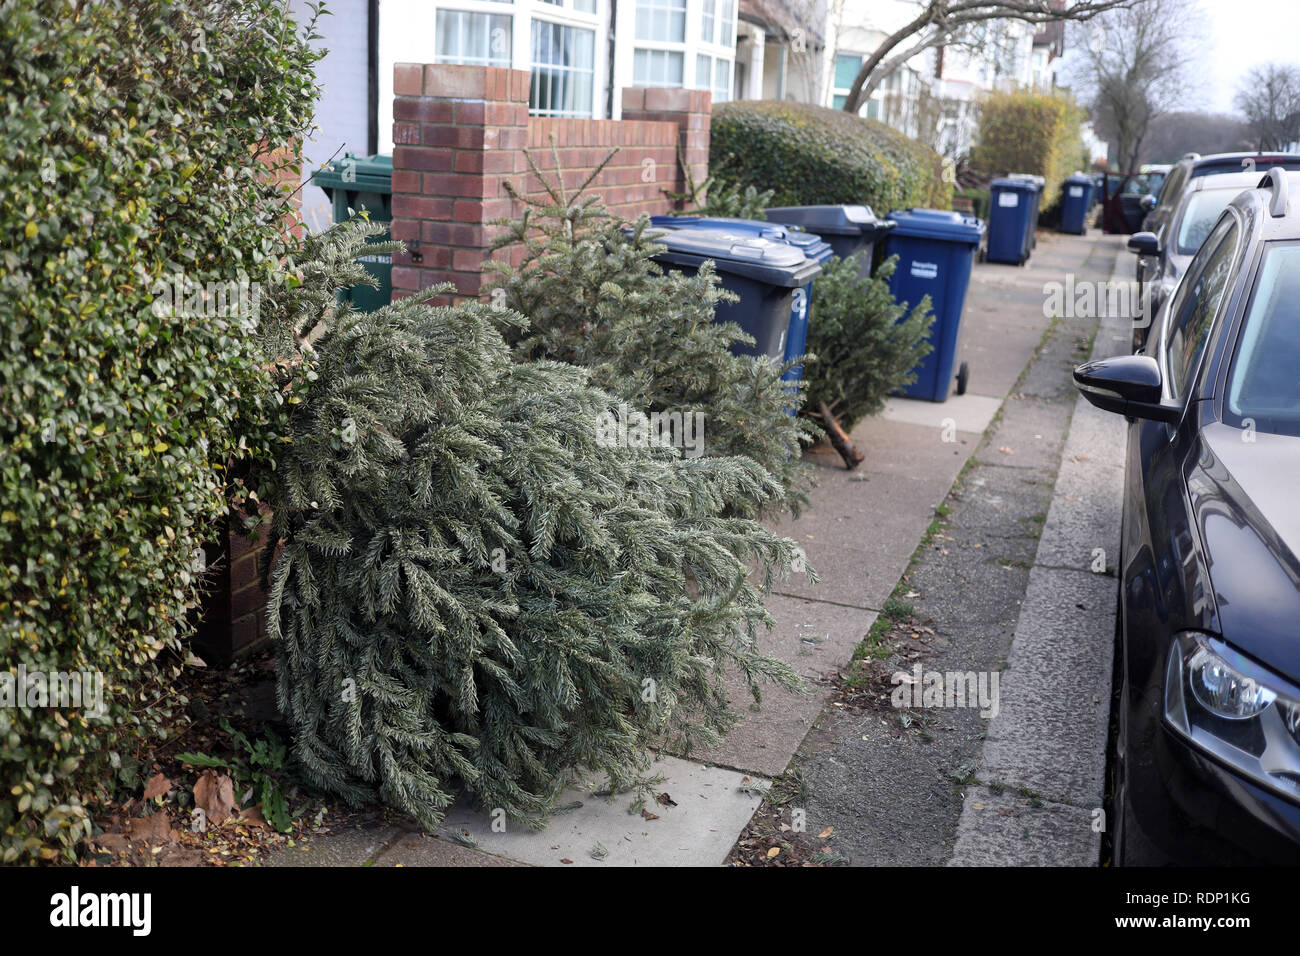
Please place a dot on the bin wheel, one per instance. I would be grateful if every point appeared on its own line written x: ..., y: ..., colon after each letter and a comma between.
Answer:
x: 963, y: 377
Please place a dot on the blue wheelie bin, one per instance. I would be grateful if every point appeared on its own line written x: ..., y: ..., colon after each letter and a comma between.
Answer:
x: 935, y: 249
x: 848, y: 229
x: 1011, y: 207
x: 1076, y: 200
x: 1039, y: 184
x: 768, y: 273
x: 812, y: 246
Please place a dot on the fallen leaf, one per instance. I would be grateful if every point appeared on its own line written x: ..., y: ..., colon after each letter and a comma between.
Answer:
x: 1006, y: 450
x: 977, y: 806
x: 214, y: 794
x: 666, y: 800
x: 158, y: 786
x: 566, y: 860
x: 774, y: 852
x: 825, y: 833
x: 648, y: 815
x: 253, y: 816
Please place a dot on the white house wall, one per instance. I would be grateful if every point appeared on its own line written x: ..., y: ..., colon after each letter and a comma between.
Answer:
x: 342, y: 110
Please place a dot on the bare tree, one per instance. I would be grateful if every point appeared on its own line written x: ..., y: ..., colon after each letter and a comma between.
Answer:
x: 1270, y: 101
x: 945, y: 22
x: 1133, y: 67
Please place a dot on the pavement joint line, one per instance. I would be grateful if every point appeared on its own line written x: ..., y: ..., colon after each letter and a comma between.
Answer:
x: 804, y: 597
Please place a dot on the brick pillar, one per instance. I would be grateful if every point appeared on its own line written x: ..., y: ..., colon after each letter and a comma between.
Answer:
x: 691, y: 110
x: 234, y: 609
x: 458, y: 133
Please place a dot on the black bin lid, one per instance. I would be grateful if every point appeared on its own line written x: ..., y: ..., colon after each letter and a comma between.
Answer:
x: 832, y: 220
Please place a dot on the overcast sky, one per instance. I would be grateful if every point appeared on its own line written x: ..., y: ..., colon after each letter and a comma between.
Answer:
x: 1240, y: 34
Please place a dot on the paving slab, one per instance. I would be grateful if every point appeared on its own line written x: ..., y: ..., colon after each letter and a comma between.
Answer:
x: 355, y: 847
x: 432, y: 849
x: 967, y: 413
x: 817, y: 639
x: 709, y: 815
x: 1011, y: 829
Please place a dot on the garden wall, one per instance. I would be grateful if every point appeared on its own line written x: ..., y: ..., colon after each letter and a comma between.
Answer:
x: 460, y: 132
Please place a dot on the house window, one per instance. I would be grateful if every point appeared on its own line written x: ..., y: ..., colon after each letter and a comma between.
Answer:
x: 713, y: 74
x: 708, y: 20
x: 658, y: 67
x: 661, y: 21
x: 473, y: 38
x: 846, y: 71
x: 564, y: 70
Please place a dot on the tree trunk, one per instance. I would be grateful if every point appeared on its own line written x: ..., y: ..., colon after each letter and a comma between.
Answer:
x: 839, y: 438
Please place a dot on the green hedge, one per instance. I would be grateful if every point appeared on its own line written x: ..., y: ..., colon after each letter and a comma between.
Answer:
x: 131, y: 164
x: 808, y: 155
x: 1028, y: 132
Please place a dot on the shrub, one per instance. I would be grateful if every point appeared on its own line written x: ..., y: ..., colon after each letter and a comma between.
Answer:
x: 1028, y: 132
x: 475, y: 589
x: 809, y: 155
x: 867, y: 345
x: 979, y: 198
x: 133, y: 152
x: 595, y: 297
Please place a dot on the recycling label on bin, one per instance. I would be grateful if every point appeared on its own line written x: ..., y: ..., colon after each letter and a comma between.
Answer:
x: 925, y: 270
x: 1008, y: 199
x: 1076, y: 191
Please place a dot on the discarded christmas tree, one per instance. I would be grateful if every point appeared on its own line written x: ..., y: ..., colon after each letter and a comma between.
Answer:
x: 595, y: 297
x: 867, y: 345
x: 473, y: 589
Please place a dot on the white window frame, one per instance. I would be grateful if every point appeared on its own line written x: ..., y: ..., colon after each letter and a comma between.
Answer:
x: 725, y: 24
x: 408, y: 34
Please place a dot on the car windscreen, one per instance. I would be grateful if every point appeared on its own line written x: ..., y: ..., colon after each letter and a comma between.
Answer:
x: 1263, y: 386
x: 1201, y: 213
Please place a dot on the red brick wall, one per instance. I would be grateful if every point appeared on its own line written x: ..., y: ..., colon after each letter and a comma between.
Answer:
x: 460, y: 132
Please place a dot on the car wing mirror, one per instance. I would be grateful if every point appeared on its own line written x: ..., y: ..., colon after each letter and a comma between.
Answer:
x: 1144, y: 244
x: 1147, y: 202
x: 1127, y: 384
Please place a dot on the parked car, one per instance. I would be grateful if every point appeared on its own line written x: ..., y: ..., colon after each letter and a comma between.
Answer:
x: 1158, y: 205
x: 1182, y: 216
x: 1207, y: 760
x: 1154, y: 174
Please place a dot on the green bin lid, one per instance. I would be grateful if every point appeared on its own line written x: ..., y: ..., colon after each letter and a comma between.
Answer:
x: 357, y: 173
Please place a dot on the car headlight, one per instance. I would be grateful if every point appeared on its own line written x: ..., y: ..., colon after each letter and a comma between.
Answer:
x: 1236, y: 710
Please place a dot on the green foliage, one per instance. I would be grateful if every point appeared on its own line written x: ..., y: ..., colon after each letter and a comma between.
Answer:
x: 716, y: 198
x: 132, y: 153
x: 809, y: 155
x: 868, y: 345
x: 979, y: 199
x: 1024, y: 131
x: 594, y: 297
x: 474, y: 590
x: 256, y: 771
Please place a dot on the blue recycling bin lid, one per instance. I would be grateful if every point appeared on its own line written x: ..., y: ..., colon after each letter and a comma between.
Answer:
x: 1019, y: 185
x: 938, y: 224
x: 1079, y: 179
x: 833, y: 220
x: 1038, y: 182
x: 736, y: 250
